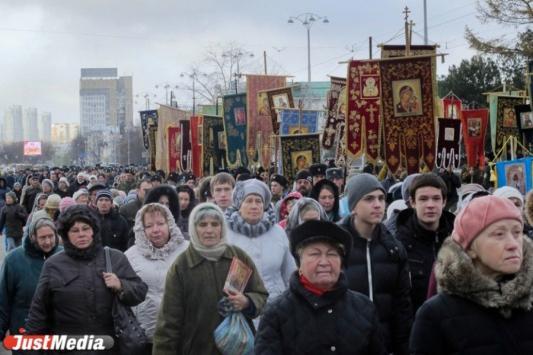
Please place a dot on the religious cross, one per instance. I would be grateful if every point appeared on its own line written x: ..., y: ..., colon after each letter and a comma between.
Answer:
x: 406, y: 11
x: 371, y: 110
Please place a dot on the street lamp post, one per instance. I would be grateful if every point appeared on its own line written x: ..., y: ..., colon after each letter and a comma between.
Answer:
x: 308, y: 19
x: 167, y: 86
x: 146, y: 96
x: 194, y: 77
x: 237, y: 55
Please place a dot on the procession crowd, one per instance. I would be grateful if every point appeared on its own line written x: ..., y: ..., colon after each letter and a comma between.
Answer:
x: 371, y: 263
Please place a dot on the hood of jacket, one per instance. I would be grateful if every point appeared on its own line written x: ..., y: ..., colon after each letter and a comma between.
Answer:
x: 282, y: 211
x: 35, y: 207
x: 170, y: 192
x: 146, y: 247
x: 456, y: 275
x: 407, y: 222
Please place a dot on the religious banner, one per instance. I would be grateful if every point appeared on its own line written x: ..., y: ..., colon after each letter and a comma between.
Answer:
x: 148, y: 119
x: 186, y: 147
x: 340, y: 141
x: 235, y: 128
x: 448, y: 143
x: 524, y: 118
x: 196, y: 145
x: 330, y: 129
x: 299, y: 152
x: 503, y: 120
x: 363, y: 112
x: 475, y: 123
x: 452, y: 106
x: 530, y: 83
x: 259, y: 128
x: 168, y: 116
x: 515, y: 173
x: 278, y: 99
x: 407, y: 99
x: 213, y: 145
x: 174, y: 149
x: 294, y: 121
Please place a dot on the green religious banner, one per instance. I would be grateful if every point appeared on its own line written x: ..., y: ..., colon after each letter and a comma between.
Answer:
x: 235, y: 128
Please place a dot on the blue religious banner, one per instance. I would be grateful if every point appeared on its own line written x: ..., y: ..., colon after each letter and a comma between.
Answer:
x: 235, y: 126
x: 297, y: 121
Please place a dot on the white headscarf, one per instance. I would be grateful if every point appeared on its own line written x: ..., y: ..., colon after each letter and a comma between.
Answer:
x: 214, y: 252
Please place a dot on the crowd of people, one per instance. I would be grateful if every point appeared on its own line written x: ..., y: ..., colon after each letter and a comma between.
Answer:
x: 370, y: 263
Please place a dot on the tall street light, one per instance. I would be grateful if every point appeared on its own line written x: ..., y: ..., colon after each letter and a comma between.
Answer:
x: 194, y: 77
x: 166, y: 86
x: 308, y: 19
x: 236, y: 55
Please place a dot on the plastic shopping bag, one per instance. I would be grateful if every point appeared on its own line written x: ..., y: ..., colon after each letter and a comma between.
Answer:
x: 233, y: 336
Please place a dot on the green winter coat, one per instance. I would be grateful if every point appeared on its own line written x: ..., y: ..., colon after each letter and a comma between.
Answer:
x: 188, y: 315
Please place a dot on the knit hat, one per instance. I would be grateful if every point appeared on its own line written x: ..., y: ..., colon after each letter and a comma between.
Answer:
x: 65, y: 203
x: 508, y: 192
x: 303, y: 175
x: 79, y: 193
x: 360, y: 185
x: 320, y: 231
x: 104, y: 193
x: 480, y: 213
x: 252, y: 186
x: 65, y: 180
x: 406, y: 185
x: 53, y: 201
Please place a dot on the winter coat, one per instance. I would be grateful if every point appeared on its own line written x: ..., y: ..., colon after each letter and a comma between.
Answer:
x: 422, y: 247
x: 379, y: 269
x: 474, y: 314
x: 72, y: 298
x: 152, y: 265
x: 129, y: 211
x: 13, y: 218
x: 29, y: 198
x: 18, y: 280
x: 114, y: 230
x: 188, y: 315
x: 270, y: 254
x: 452, y: 182
x: 299, y: 322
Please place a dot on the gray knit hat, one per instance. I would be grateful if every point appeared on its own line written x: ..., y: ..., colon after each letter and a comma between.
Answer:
x: 360, y: 185
x: 251, y: 186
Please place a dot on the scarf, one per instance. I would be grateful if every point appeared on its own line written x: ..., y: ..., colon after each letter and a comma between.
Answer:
x: 214, y: 252
x: 239, y: 225
x: 317, y: 291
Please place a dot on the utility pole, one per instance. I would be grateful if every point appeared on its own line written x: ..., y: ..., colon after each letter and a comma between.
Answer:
x: 425, y: 23
x: 370, y: 47
x: 265, y: 61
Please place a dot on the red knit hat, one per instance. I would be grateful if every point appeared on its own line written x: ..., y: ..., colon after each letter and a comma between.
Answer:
x: 480, y: 213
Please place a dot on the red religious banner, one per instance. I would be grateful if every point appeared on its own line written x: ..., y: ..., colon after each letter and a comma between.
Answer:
x: 408, y: 112
x: 196, y: 145
x: 475, y: 124
x: 259, y: 126
x: 452, y: 106
x: 363, y: 114
x: 174, y: 149
x: 332, y: 122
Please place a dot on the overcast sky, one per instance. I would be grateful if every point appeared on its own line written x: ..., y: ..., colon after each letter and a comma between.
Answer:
x: 44, y: 43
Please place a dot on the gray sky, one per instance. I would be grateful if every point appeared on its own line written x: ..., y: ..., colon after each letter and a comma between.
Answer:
x: 43, y: 44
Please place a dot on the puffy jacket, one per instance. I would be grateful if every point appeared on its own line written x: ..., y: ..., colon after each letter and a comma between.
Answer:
x: 422, y: 247
x: 474, y: 314
x: 338, y: 322
x: 13, y: 217
x: 114, y: 230
x: 378, y: 268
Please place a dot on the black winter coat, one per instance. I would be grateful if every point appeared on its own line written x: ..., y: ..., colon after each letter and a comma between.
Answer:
x: 382, y: 263
x: 13, y: 218
x: 338, y: 322
x: 114, y: 230
x: 422, y: 247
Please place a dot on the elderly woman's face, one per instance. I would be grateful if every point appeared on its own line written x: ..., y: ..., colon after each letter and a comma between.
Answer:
x: 320, y: 263
x: 209, y: 231
x: 498, y: 248
x: 45, y: 238
x: 310, y: 215
x: 252, y: 208
x: 156, y: 229
x: 80, y: 235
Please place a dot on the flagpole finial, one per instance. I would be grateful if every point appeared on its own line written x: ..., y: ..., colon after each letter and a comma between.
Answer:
x: 406, y: 12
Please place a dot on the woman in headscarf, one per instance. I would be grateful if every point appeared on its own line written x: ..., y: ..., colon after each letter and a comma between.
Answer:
x: 285, y: 207
x: 74, y: 295
x: 166, y: 195
x: 305, y: 209
x: 484, y: 274
x: 187, y: 202
x: 189, y: 315
x: 158, y: 242
x: 327, y: 194
x: 252, y: 227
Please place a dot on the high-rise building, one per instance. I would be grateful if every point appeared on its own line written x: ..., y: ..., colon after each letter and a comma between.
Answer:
x: 64, y: 133
x: 29, y: 124
x: 45, y: 127
x: 12, y: 127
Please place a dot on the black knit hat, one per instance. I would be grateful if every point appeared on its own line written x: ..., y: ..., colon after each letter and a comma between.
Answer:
x: 320, y: 231
x: 280, y: 179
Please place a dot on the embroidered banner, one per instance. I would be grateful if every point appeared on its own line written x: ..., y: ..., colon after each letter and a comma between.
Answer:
x: 213, y: 145
x: 330, y: 128
x: 448, y: 143
x: 407, y: 99
x: 503, y: 119
x: 278, y: 99
x: 530, y: 79
x: 452, y: 106
x: 363, y: 113
x: 174, y: 151
x: 475, y: 123
x: 185, y: 147
x: 340, y: 153
x: 168, y: 116
x: 148, y: 119
x: 525, y: 124
x: 235, y: 128
x: 259, y: 128
x: 196, y: 145
x: 299, y: 152
x: 298, y: 121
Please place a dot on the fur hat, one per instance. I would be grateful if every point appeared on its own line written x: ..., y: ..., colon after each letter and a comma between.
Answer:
x: 65, y: 180
x: 360, y: 185
x: 280, y: 179
x: 303, y: 175
x: 320, y: 231
x: 318, y: 169
x: 251, y: 186
x: 480, y: 213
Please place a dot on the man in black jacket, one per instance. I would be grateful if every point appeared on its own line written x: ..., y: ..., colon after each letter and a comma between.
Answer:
x: 422, y: 229
x: 377, y: 266
x: 114, y: 228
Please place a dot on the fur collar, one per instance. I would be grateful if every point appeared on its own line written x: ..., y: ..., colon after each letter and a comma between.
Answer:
x: 457, y: 275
